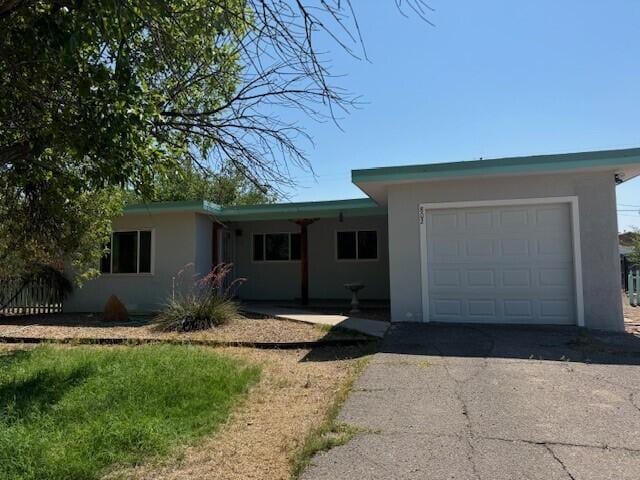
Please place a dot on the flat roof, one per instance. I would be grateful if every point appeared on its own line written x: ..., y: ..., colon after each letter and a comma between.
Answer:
x: 374, y: 181
x: 270, y: 211
x: 199, y: 206
x: 500, y: 166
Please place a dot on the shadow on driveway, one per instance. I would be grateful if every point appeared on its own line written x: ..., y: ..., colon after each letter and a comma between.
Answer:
x: 514, y: 342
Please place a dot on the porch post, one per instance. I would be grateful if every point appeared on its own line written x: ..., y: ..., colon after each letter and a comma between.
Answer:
x: 304, y: 259
x: 215, y: 245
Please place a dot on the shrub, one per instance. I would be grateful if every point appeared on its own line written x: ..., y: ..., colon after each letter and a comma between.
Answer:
x: 209, y: 304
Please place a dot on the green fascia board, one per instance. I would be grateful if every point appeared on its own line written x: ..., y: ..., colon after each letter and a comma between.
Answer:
x: 500, y: 166
x: 287, y: 211
x: 198, y: 206
x: 276, y: 211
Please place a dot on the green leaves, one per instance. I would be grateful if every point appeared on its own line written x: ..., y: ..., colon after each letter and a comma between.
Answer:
x: 85, y: 85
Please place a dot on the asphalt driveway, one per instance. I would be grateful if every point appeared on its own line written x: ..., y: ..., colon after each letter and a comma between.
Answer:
x: 494, y: 403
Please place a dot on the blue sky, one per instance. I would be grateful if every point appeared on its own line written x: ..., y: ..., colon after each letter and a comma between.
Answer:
x: 492, y: 78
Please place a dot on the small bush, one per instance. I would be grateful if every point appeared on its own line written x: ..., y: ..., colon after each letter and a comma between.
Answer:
x: 209, y: 304
x: 195, y: 312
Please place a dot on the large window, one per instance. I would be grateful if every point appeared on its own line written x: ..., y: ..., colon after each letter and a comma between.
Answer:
x: 357, y: 245
x: 276, y: 247
x: 129, y: 252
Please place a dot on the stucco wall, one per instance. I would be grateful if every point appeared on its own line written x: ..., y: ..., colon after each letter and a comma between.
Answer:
x: 204, y: 231
x: 598, y: 234
x: 327, y: 275
x: 174, y: 244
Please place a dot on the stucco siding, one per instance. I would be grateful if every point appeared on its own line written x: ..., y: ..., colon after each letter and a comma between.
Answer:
x: 204, y: 231
x: 598, y: 235
x: 174, y: 245
x: 327, y: 275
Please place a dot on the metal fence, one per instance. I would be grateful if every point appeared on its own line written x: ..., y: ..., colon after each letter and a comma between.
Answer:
x: 37, y: 296
x: 633, y: 288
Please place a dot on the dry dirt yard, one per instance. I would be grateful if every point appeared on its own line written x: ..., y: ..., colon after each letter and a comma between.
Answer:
x: 69, y: 326
x: 265, y: 435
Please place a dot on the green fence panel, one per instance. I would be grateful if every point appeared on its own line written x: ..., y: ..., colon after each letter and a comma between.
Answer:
x: 633, y: 290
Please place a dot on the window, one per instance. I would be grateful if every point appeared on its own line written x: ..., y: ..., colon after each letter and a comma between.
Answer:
x: 276, y: 247
x: 357, y: 245
x: 129, y: 252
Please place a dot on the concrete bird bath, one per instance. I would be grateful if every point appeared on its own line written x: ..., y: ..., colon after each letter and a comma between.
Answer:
x: 354, y: 288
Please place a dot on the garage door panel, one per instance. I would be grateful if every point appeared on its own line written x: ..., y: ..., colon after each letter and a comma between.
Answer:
x: 555, y: 277
x: 516, y: 278
x: 444, y: 222
x: 480, y: 220
x: 447, y: 307
x: 501, y: 264
x: 446, y: 278
x: 480, y: 247
x: 514, y: 219
x: 482, y: 308
x: 510, y: 247
x: 481, y: 278
x: 555, y: 308
x: 442, y: 248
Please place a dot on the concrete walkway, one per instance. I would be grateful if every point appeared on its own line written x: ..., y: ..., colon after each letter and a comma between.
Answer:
x: 374, y: 328
x: 492, y: 403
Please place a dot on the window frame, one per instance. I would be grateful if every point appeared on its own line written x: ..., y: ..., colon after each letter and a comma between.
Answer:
x: 264, y: 247
x: 357, y: 259
x: 152, y: 260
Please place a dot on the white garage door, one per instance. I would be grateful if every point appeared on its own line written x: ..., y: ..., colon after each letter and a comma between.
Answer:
x: 511, y: 264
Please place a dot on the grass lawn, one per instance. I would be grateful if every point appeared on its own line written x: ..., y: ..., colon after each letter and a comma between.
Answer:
x: 77, y: 413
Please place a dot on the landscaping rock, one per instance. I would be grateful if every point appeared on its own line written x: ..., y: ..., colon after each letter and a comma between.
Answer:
x: 115, y: 311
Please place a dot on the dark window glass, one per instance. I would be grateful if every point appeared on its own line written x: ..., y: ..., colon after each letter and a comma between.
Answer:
x: 295, y: 246
x: 367, y: 244
x: 145, y: 252
x: 277, y: 246
x: 105, y: 261
x: 258, y: 248
x: 125, y: 252
x: 346, y: 245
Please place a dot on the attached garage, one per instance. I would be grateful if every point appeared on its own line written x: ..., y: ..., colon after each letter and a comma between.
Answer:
x: 518, y: 240
x: 500, y: 262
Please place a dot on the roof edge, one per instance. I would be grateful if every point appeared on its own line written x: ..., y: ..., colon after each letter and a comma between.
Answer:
x: 197, y: 206
x: 267, y: 211
x: 496, y: 166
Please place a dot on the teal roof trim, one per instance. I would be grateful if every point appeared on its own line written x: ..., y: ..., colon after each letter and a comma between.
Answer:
x: 275, y: 211
x: 199, y: 206
x: 498, y: 166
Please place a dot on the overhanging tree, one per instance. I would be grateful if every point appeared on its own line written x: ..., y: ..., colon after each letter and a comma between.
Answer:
x: 97, y: 95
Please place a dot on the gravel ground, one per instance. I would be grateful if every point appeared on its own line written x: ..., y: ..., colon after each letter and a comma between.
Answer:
x: 91, y: 326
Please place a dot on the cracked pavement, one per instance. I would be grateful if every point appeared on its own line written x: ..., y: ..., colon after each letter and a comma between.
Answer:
x: 493, y: 403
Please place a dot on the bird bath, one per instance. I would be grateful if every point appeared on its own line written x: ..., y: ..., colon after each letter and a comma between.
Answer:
x: 354, y: 288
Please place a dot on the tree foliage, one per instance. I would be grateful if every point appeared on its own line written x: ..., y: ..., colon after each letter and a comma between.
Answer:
x: 227, y: 186
x: 634, y: 256
x: 118, y: 93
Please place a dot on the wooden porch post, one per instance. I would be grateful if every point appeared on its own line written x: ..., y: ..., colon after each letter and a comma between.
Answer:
x: 304, y: 259
x: 215, y: 247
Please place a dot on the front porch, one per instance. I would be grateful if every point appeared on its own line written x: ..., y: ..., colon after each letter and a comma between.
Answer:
x: 306, y: 256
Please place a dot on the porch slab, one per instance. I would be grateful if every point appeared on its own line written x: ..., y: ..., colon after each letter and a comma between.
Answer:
x: 374, y: 328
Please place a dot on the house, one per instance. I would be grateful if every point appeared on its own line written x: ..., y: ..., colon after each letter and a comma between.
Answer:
x: 625, y: 248
x: 527, y: 240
